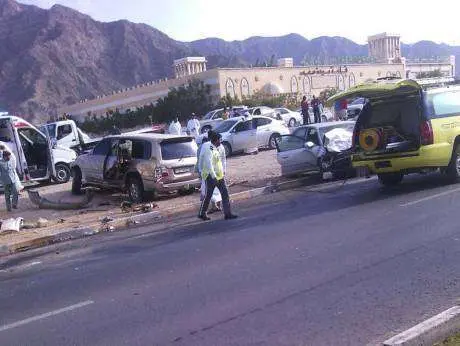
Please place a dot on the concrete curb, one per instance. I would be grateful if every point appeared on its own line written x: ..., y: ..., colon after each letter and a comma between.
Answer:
x: 156, y: 216
x: 433, y: 330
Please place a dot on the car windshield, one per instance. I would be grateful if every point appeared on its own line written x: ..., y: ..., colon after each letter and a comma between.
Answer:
x: 225, y: 126
x: 178, y: 149
x: 51, y: 130
x: 209, y: 115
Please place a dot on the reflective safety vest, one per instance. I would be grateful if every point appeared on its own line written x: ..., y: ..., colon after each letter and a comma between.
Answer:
x: 211, y: 162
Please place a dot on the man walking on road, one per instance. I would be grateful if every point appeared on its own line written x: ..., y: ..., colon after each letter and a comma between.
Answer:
x: 304, y: 107
x: 212, y: 171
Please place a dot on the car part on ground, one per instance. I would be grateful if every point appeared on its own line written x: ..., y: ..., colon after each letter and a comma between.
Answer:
x: 44, y: 203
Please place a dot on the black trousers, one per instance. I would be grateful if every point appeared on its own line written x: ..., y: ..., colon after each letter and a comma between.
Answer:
x: 211, y: 184
x: 306, y: 117
x: 317, y: 115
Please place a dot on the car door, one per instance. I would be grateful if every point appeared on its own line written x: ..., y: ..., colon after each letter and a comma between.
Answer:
x: 93, y: 163
x: 264, y: 131
x: 117, y: 162
x: 294, y: 157
x: 66, y: 136
x: 244, y: 136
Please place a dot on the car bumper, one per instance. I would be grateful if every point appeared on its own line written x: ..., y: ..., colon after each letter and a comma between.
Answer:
x: 171, y: 186
x: 430, y: 156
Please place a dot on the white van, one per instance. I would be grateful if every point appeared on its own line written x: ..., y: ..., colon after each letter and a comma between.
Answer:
x: 37, y: 159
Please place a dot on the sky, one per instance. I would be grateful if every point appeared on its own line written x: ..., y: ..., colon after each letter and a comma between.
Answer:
x: 188, y: 20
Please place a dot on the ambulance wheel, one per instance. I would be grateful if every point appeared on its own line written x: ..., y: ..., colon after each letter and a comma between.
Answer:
x: 453, y: 170
x: 76, y: 181
x: 63, y: 173
x: 390, y: 179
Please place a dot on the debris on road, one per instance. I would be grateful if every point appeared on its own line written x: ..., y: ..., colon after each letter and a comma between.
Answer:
x: 127, y: 207
x: 11, y: 225
x: 106, y: 219
x: 44, y: 203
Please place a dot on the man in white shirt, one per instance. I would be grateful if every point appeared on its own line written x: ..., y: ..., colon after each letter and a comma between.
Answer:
x: 212, y: 171
x: 193, y: 126
x: 175, y: 127
x: 5, y: 147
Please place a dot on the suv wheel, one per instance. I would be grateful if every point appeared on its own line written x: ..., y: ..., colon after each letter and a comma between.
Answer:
x: 273, y: 139
x: 453, y: 170
x: 76, y: 181
x: 390, y: 179
x: 323, y: 119
x: 292, y: 122
x: 62, y: 173
x: 135, y: 190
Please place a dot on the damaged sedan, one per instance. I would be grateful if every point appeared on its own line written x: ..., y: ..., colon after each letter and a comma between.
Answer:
x: 317, y: 148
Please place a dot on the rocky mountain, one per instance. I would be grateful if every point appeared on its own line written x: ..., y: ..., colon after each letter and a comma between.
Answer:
x: 58, y: 56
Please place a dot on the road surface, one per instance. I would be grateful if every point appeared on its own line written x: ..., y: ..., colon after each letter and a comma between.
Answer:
x: 350, y: 265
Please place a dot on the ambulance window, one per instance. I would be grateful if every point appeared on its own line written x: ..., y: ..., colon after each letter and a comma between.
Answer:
x: 32, y: 136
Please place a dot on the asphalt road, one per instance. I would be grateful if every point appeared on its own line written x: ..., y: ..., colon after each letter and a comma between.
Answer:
x: 349, y: 265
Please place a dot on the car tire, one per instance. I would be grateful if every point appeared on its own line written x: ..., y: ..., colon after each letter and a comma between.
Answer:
x: 205, y: 129
x: 135, y: 189
x: 228, y: 149
x: 292, y: 122
x: 76, y: 181
x: 453, y: 170
x: 390, y: 179
x: 63, y: 173
x: 323, y: 119
x: 273, y: 139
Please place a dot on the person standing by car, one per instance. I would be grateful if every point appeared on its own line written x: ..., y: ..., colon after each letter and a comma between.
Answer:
x: 114, y: 130
x: 304, y: 109
x: 212, y: 171
x: 10, y: 181
x: 315, y: 106
x: 193, y: 126
x: 175, y: 127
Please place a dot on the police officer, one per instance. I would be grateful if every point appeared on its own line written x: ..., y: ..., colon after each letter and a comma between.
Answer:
x: 212, y: 171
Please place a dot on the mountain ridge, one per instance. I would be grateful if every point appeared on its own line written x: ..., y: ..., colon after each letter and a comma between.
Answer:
x: 58, y: 56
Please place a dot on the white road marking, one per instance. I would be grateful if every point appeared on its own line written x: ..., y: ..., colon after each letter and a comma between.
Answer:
x: 45, y: 315
x: 445, y: 193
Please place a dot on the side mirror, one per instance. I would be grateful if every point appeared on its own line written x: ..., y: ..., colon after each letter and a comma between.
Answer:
x: 309, y: 145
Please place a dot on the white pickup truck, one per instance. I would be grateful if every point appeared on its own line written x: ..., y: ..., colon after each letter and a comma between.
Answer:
x: 66, y: 133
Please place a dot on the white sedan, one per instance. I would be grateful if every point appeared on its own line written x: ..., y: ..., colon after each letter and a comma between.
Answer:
x: 289, y: 117
x: 247, y: 135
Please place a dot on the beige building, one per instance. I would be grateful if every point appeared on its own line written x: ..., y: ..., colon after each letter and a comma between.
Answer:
x: 283, y: 79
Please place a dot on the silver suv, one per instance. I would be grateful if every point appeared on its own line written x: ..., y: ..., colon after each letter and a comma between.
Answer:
x: 139, y: 164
